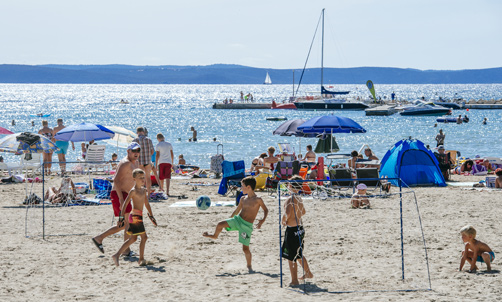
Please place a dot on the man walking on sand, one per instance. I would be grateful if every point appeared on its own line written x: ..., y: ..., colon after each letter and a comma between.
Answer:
x: 62, y: 145
x: 164, y: 160
x: 123, y: 182
x: 145, y: 156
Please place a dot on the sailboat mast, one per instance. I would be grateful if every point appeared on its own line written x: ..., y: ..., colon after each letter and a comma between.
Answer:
x: 322, y: 50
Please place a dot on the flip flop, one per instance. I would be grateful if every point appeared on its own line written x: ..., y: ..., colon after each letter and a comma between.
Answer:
x: 99, y: 246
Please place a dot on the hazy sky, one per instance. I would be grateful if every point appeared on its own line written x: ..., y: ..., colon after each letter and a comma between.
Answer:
x: 422, y: 34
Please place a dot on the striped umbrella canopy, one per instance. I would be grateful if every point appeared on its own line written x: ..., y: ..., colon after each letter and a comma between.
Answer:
x: 5, y: 131
x: 84, y: 132
x: 27, y: 142
x: 123, y: 137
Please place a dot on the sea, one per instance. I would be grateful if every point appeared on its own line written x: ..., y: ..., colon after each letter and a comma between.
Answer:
x: 243, y: 134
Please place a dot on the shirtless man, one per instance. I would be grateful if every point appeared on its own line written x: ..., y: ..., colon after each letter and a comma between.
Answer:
x: 310, y: 156
x: 123, y: 182
x: 194, y: 134
x: 62, y: 145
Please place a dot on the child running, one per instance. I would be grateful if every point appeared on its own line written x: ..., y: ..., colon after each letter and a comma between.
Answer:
x: 292, y: 248
x: 475, y: 250
x: 139, y: 198
x: 243, y: 217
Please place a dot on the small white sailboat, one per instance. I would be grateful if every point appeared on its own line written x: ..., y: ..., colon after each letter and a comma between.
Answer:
x: 268, y: 81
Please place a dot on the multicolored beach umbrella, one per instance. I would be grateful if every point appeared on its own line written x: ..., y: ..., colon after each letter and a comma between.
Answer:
x: 84, y: 132
x: 27, y: 142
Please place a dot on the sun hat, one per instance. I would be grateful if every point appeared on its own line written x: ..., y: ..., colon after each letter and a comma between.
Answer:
x: 361, y: 187
x: 133, y: 146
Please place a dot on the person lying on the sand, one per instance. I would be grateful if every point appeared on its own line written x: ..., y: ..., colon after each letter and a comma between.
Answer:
x: 465, y: 167
x: 65, y: 193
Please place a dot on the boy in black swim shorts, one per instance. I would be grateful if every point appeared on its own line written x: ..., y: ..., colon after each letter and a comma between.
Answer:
x: 292, y: 248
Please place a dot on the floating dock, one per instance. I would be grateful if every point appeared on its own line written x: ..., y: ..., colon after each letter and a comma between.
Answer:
x: 381, y: 110
x: 242, y: 106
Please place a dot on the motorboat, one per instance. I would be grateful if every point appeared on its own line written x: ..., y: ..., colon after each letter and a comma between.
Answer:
x: 424, y: 108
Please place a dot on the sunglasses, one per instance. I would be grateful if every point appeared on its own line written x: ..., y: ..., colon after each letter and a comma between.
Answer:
x: 136, y: 151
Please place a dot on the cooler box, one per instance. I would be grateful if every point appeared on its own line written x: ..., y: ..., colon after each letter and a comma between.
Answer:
x: 81, y: 187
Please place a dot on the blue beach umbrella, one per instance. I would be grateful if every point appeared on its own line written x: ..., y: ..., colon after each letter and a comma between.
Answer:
x: 84, y: 132
x: 331, y: 124
x: 27, y: 142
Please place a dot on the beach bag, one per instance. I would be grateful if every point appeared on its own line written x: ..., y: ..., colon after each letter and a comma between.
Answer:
x: 32, y: 199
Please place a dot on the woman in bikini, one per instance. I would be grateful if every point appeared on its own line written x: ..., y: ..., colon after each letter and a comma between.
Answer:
x: 465, y: 167
x: 47, y: 132
x: 257, y: 163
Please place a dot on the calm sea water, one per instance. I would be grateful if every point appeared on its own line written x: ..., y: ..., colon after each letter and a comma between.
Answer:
x: 173, y: 109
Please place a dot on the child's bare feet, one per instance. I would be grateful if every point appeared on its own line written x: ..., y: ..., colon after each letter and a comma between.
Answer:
x: 293, y: 283
x: 307, y: 275
x: 116, y: 259
x: 142, y: 262
x: 488, y: 267
x: 206, y: 234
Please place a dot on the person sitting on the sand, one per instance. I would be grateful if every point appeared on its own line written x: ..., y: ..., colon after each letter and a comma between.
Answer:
x: 257, y: 163
x: 444, y: 161
x: 310, y: 156
x: 65, y: 193
x: 466, y: 167
x: 181, y: 160
x: 498, y: 181
x: 359, y: 199
x: 113, y: 162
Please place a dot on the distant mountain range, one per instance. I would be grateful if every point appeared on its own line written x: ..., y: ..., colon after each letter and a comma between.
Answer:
x: 237, y: 74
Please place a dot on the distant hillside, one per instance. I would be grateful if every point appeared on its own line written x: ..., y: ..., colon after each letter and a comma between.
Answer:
x: 236, y: 74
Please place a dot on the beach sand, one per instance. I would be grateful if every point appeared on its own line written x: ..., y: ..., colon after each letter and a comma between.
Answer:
x: 348, y: 250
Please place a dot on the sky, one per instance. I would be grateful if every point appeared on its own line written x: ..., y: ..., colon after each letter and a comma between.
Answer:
x: 276, y: 34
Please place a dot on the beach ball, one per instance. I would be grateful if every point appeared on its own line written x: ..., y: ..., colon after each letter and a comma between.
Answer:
x: 203, y: 202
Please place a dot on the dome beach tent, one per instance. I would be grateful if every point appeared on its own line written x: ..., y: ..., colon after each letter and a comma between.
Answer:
x: 411, y: 161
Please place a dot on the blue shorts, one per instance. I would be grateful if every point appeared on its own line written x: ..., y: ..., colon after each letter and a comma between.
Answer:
x: 63, y: 147
x: 492, y: 257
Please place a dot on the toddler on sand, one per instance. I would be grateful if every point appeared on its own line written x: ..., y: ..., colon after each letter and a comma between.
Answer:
x: 475, y: 250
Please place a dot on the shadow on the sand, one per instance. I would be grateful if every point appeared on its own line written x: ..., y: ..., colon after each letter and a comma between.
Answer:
x: 492, y: 272
x: 308, y: 288
x: 248, y: 273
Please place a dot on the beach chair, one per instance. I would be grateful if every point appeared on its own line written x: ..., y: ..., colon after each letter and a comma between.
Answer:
x: 341, y: 173
x: 283, y: 171
x: 95, y: 158
x: 11, y: 168
x: 453, y: 157
x: 368, y: 173
x: 31, y: 161
x: 233, y: 173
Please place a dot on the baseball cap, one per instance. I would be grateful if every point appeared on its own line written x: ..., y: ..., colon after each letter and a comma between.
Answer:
x: 441, y: 147
x: 133, y: 146
x: 361, y: 187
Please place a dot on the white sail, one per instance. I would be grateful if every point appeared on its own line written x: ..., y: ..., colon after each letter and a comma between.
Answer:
x: 267, y: 79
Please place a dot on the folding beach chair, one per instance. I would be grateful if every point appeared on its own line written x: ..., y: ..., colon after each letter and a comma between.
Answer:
x: 283, y: 171
x: 31, y: 161
x: 95, y: 157
x: 233, y: 173
x: 341, y: 173
x: 369, y: 173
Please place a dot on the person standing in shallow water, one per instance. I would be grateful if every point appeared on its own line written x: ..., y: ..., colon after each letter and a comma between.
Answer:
x: 194, y: 134
x: 440, y: 138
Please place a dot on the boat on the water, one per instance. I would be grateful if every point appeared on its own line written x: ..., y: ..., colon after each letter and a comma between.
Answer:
x: 283, y: 106
x: 328, y: 100
x: 448, y: 104
x: 423, y: 108
x: 268, y: 81
x: 277, y: 118
x: 331, y: 104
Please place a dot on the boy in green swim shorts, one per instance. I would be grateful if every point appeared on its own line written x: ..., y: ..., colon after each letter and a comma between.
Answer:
x: 243, y: 217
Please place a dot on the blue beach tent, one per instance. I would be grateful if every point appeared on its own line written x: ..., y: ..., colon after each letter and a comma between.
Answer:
x: 413, y: 163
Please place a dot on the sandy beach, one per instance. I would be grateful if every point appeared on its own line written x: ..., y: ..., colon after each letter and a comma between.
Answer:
x: 348, y: 250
